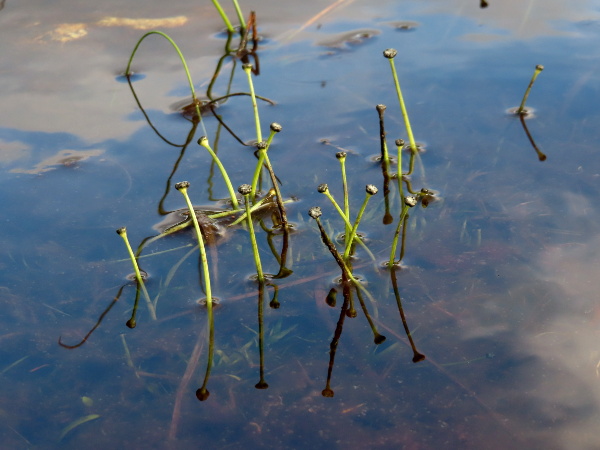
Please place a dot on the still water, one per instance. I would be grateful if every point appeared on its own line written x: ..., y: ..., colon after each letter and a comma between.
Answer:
x: 499, y: 280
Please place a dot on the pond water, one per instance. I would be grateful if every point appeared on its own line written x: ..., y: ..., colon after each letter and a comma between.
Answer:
x: 499, y: 280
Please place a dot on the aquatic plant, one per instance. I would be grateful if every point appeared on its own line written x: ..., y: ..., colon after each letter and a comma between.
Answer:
x: 138, y: 276
x: 128, y: 72
x: 315, y: 213
x: 183, y: 187
x: 248, y: 70
x: 245, y: 190
x: 390, y: 54
x: 203, y: 141
x: 521, y: 110
x: 409, y: 202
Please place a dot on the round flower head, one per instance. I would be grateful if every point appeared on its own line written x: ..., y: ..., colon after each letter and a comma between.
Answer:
x: 399, y: 142
x: 371, y: 189
x: 276, y: 127
x: 245, y: 189
x: 315, y: 212
x: 341, y: 155
x: 322, y: 188
x: 182, y: 185
x: 390, y: 53
x: 410, y: 200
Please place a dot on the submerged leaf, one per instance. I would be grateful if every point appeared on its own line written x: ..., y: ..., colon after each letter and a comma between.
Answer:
x: 76, y: 423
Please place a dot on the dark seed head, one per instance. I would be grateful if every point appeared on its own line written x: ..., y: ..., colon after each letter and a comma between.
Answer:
x: 371, y: 189
x: 202, y: 394
x: 399, y: 142
x: 380, y: 107
x: 418, y: 357
x: 182, y: 185
x: 247, y: 66
x: 262, y: 145
x: 121, y: 231
x: 390, y: 53
x: 539, y: 67
x: 341, y: 155
x: 245, y: 189
x: 327, y: 392
x: 276, y: 127
x: 379, y: 339
x: 322, y: 188
x: 315, y: 212
x: 203, y: 140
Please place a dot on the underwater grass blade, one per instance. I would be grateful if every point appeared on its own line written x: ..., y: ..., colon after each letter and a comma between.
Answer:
x: 77, y: 423
x: 183, y: 187
x: 203, y: 141
x: 185, y: 67
x: 538, y: 70
x: 123, y: 233
x: 390, y: 53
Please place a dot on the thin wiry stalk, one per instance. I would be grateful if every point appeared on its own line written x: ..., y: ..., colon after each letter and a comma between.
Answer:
x: 185, y: 67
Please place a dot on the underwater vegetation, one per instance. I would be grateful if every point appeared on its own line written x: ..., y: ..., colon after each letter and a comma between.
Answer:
x: 261, y: 203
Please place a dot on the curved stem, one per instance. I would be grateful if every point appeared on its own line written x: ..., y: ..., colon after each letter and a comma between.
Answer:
x: 185, y: 67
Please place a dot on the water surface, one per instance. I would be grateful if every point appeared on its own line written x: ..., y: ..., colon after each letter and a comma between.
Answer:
x: 498, y: 281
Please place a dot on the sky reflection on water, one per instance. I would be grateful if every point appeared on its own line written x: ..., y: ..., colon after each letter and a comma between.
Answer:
x: 499, y: 284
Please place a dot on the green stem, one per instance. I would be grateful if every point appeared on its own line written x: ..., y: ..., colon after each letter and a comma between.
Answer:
x: 355, y: 226
x: 346, y: 221
x: 123, y: 233
x: 239, y: 14
x: 390, y: 54
x: 244, y: 189
x: 341, y: 156
x: 262, y: 154
x: 182, y: 187
x: 396, y: 236
x: 248, y: 70
x: 223, y: 16
x: 203, y: 141
x: 340, y: 261
x: 537, y: 71
x: 185, y: 67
